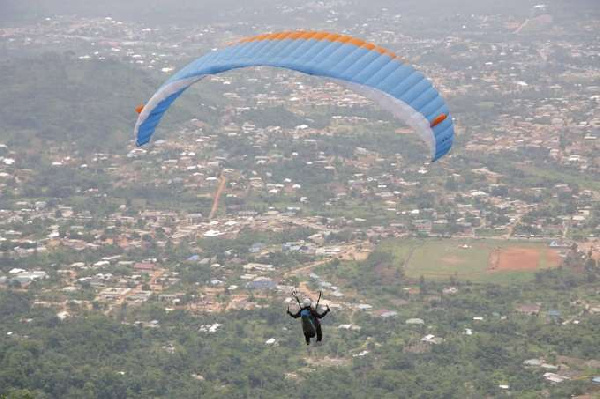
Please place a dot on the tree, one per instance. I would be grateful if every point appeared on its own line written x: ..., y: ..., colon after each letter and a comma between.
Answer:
x: 20, y: 394
x: 422, y: 285
x: 590, y: 264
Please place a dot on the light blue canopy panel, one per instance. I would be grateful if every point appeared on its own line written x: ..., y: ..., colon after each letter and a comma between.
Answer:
x: 368, y: 69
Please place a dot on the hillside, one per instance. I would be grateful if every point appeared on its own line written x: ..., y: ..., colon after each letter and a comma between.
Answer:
x: 54, y: 99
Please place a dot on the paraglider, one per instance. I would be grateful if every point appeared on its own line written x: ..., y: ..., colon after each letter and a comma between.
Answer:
x: 310, y: 317
x: 366, y: 68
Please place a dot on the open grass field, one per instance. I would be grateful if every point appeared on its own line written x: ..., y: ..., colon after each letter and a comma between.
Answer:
x: 476, y: 260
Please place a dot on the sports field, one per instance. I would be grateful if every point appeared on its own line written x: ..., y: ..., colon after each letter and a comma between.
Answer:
x: 475, y: 260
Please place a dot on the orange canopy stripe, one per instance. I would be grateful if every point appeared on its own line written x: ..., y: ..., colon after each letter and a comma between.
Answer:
x: 319, y: 36
x: 439, y: 119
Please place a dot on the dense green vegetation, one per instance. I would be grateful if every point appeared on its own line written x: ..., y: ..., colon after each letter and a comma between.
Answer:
x: 86, y: 106
x: 93, y: 356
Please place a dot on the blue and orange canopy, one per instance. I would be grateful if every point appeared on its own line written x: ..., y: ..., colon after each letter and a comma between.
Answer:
x: 369, y: 69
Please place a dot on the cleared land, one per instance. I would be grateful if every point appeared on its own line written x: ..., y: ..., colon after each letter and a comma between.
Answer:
x: 477, y: 260
x: 522, y: 259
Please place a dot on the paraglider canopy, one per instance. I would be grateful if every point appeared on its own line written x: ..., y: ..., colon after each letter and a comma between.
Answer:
x: 371, y: 70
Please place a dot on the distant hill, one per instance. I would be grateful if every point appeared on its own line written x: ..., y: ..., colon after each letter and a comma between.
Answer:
x: 208, y: 11
x: 54, y: 99
x: 167, y: 11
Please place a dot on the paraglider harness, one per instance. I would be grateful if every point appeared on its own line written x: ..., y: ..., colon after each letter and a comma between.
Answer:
x: 311, y: 325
